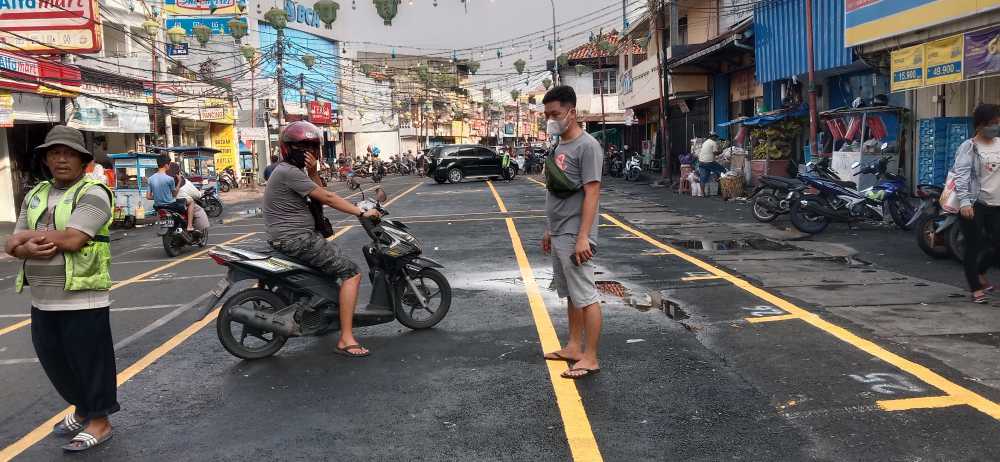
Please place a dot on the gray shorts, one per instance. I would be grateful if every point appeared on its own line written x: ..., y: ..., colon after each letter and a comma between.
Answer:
x: 319, y: 253
x: 569, y: 280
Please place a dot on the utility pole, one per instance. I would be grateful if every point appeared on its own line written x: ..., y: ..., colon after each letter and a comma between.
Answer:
x: 555, y: 43
x: 812, y: 80
x: 657, y: 11
x: 279, y: 54
x: 604, y: 118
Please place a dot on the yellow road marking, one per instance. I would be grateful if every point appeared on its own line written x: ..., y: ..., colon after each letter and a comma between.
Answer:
x: 43, y: 430
x: 466, y: 214
x: 339, y: 233
x: 534, y: 180
x: 461, y: 220
x: 579, y: 435
x: 930, y: 377
x: 926, y: 402
x: 503, y: 208
x: 137, y: 278
x: 783, y: 317
x: 694, y: 278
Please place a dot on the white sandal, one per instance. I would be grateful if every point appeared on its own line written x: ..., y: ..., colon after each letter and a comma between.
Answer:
x: 87, y: 441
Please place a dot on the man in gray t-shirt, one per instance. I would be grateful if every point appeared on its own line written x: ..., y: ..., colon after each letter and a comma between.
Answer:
x: 571, y: 231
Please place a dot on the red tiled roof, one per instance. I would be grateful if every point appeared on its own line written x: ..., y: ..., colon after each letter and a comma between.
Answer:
x: 590, y: 49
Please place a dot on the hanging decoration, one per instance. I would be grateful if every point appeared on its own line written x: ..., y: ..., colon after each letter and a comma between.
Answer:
x: 203, y: 33
x: 546, y: 83
x: 563, y: 60
x: 580, y: 69
x: 327, y: 11
x: 367, y: 69
x: 151, y: 27
x: 248, y: 51
x: 176, y: 34
x: 473, y: 67
x: 387, y: 9
x: 309, y: 60
x: 605, y: 45
x: 519, y: 66
x: 277, y: 18
x: 241, y: 5
x: 515, y: 94
x: 238, y: 29
x: 424, y: 73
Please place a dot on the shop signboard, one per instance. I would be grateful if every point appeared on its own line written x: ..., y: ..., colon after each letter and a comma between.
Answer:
x: 199, y: 7
x: 907, y: 68
x: 211, y: 113
x: 50, y: 26
x: 253, y: 133
x: 223, y: 139
x: 869, y: 20
x: 321, y: 112
x: 944, y: 60
x: 178, y: 51
x: 982, y: 53
x: 95, y: 115
x: 218, y: 24
x: 6, y: 110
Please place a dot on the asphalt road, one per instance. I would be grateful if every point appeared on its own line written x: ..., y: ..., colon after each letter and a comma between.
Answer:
x: 737, y: 372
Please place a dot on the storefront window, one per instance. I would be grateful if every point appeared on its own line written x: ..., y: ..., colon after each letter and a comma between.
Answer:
x: 126, y: 178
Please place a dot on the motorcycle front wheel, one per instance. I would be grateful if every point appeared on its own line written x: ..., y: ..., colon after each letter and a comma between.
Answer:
x: 933, y: 244
x: 808, y: 222
x: 901, y: 211
x: 172, y: 244
x: 247, y: 342
x: 213, y: 207
x: 435, y: 289
x: 223, y: 186
x: 760, y: 209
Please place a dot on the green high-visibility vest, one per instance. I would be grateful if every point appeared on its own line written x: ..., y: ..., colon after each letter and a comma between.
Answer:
x: 505, y: 160
x: 87, y: 268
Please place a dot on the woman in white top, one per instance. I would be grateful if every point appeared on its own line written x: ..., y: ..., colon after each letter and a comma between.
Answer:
x: 188, y: 192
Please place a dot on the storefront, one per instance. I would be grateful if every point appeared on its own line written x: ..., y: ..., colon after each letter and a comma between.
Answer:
x: 114, y: 117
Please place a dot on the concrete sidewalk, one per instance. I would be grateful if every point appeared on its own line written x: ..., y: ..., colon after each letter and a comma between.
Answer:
x: 874, y: 277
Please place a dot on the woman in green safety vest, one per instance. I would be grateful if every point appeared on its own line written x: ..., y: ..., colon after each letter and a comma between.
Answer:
x: 62, y: 237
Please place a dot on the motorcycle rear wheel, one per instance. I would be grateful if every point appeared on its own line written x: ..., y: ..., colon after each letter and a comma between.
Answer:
x: 223, y: 186
x: 934, y: 245
x: 172, y: 245
x: 956, y: 242
x: 806, y: 221
x: 759, y: 208
x: 265, y: 346
x: 902, y: 211
x: 439, y: 290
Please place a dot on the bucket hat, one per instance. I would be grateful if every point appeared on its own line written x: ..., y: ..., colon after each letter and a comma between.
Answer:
x: 66, y: 136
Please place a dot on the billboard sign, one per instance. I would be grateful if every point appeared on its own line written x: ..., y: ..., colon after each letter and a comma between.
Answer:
x: 50, y: 26
x: 870, y: 20
x: 982, y: 53
x: 218, y: 24
x: 907, y: 68
x: 944, y: 60
x: 200, y: 7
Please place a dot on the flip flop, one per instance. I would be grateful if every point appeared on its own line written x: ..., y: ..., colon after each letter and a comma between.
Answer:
x: 556, y: 356
x: 588, y: 373
x: 346, y: 351
x: 981, y: 299
x: 69, y: 425
x: 84, y: 441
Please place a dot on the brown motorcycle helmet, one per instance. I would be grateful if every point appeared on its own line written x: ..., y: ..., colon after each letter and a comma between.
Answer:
x: 297, y: 139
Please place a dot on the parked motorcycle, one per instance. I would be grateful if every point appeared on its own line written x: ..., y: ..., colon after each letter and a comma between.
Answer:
x: 227, y: 180
x: 841, y: 201
x: 173, y: 231
x: 633, y: 168
x: 290, y: 299
x: 775, y: 194
x: 210, y: 202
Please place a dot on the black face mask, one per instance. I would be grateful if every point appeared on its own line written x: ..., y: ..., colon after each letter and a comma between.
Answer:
x: 296, y: 157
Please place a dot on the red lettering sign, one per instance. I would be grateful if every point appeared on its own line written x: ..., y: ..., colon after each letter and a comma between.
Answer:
x: 320, y: 112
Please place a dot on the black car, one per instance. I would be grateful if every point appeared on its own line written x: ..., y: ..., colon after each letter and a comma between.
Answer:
x: 454, y: 162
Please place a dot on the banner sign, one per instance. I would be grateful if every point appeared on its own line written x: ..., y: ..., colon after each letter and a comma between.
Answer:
x: 944, y: 60
x: 253, y: 133
x: 211, y: 113
x: 199, y: 7
x: 870, y: 20
x: 6, y: 110
x: 907, y: 68
x: 320, y: 112
x: 179, y: 50
x: 223, y: 139
x: 218, y: 24
x: 94, y: 115
x: 982, y: 53
x: 50, y: 26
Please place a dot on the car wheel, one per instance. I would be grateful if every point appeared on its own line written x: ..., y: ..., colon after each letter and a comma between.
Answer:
x: 440, y: 180
x: 454, y: 175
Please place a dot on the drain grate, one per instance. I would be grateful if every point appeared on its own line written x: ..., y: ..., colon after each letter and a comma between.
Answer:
x: 612, y: 288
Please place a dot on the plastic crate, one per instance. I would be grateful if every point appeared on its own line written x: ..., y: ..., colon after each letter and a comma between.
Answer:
x: 939, y: 139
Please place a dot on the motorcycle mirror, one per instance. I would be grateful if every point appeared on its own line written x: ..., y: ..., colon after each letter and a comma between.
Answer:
x: 380, y: 195
x: 885, y: 146
x: 855, y: 165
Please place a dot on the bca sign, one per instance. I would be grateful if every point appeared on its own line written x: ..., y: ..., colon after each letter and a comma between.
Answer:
x: 49, y: 26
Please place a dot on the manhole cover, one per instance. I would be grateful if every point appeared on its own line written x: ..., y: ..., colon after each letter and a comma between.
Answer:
x: 612, y: 288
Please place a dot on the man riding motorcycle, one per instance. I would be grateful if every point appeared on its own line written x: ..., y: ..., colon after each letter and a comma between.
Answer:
x: 292, y: 227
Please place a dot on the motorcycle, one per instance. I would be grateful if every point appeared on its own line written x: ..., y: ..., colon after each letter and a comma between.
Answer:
x: 289, y: 299
x: 227, y: 180
x: 210, y: 202
x: 633, y: 168
x: 617, y: 167
x: 775, y: 194
x: 938, y: 234
x: 173, y: 231
x: 838, y: 201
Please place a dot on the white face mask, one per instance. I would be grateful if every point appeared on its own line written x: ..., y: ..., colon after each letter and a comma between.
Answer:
x: 555, y: 127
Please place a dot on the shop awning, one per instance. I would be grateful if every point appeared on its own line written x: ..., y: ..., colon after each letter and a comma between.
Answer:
x: 768, y: 119
x: 614, y: 135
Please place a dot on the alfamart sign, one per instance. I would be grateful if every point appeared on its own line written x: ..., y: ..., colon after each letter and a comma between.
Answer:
x: 49, y: 26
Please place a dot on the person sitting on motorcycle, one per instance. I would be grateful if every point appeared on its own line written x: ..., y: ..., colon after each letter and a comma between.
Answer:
x: 163, y: 192
x: 186, y: 190
x: 291, y: 227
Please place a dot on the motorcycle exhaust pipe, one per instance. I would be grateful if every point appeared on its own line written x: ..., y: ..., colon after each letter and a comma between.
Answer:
x: 812, y: 207
x: 268, y: 322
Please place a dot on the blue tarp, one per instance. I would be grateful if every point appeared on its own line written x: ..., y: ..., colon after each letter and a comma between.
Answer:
x: 768, y: 119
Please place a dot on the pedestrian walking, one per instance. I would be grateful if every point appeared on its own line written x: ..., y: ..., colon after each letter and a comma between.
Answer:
x: 63, y: 239
x: 977, y: 184
x: 573, y: 181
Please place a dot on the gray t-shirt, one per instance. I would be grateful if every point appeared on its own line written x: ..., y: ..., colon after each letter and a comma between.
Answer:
x: 583, y: 160
x: 286, y: 211
x: 47, y: 278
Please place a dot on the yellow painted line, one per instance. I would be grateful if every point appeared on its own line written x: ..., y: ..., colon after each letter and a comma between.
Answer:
x: 698, y: 278
x: 782, y: 317
x: 461, y: 220
x: 536, y: 181
x: 579, y: 435
x: 389, y: 202
x: 930, y: 377
x: 400, y: 196
x: 467, y: 214
x: 138, y: 278
x: 928, y: 402
x: 339, y: 233
x: 43, y: 430
x: 503, y: 208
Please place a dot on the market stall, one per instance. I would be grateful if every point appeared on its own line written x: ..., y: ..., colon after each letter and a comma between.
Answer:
x: 132, y: 170
x: 856, y: 135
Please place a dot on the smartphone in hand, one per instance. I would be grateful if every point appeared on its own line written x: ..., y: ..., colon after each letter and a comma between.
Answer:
x: 593, y: 251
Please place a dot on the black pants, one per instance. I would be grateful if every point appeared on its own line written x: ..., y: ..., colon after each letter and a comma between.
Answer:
x: 78, y: 355
x: 981, y: 238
